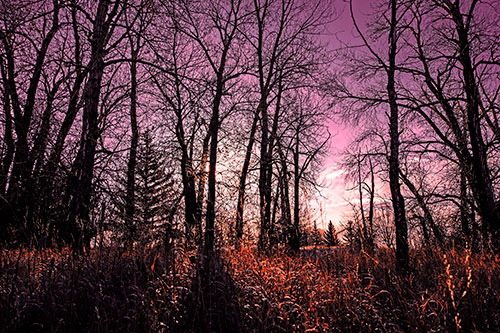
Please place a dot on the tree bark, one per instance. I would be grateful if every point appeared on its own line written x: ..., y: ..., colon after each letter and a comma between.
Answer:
x: 243, y: 179
x: 20, y: 172
x: 364, y: 230
x: 6, y: 163
x: 286, y: 211
x: 464, y: 207
x: 402, y: 251
x: 484, y: 194
x: 8, y: 138
x: 17, y: 194
x: 295, y: 239
x: 264, y: 190
x: 372, y: 204
x: 132, y: 159
x: 202, y: 182
x: 76, y: 230
x: 214, y: 137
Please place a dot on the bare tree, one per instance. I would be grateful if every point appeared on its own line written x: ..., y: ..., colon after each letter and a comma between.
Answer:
x: 215, y: 37
x: 75, y: 230
x: 445, y: 63
x: 22, y: 103
x: 396, y: 15
x: 281, y: 49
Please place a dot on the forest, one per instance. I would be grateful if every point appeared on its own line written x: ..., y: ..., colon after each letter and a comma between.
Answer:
x: 160, y: 161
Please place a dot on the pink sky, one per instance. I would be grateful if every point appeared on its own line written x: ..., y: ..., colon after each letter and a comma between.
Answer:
x: 334, y: 202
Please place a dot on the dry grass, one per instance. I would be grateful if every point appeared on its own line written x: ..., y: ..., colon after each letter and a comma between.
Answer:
x: 107, y: 290
x: 110, y: 290
x: 343, y: 291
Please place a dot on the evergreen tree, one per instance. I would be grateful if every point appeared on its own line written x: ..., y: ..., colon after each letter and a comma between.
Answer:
x: 155, y: 193
x: 154, y: 197
x: 330, y: 237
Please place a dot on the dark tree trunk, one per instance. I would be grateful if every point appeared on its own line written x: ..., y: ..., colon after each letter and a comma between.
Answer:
x: 266, y: 165
x: 72, y: 111
x: 286, y: 210
x: 48, y: 202
x: 21, y: 183
x: 484, y: 194
x: 295, y: 239
x: 425, y: 231
x: 364, y: 230
x: 76, y: 230
x: 34, y: 165
x: 8, y: 139
x: 242, y: 183
x: 402, y: 251
x: 214, y: 137
x: 35, y: 159
x: 15, y: 208
x: 66, y: 125
x: 191, y: 209
x: 264, y: 169
x: 6, y: 163
x: 372, y: 205
x: 190, y: 200
x: 132, y: 159
x: 20, y: 169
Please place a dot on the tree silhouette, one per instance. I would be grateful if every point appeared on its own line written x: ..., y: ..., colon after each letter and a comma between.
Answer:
x: 330, y: 238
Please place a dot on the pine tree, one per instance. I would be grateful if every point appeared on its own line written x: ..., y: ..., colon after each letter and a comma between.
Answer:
x: 154, y: 197
x: 154, y: 193
x: 330, y: 237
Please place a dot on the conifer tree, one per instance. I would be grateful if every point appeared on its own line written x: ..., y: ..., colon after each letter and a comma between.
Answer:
x: 154, y: 197
x: 330, y: 237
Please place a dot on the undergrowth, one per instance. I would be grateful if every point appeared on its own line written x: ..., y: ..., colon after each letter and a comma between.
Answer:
x: 244, y: 291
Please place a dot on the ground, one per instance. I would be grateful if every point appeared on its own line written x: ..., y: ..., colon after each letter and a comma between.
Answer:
x: 330, y: 290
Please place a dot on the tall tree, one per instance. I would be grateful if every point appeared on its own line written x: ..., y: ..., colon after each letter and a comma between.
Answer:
x: 22, y: 103
x: 243, y: 180
x: 282, y: 48
x: 214, y: 28
x: 458, y: 117
x: 76, y: 229
x: 481, y: 178
x: 389, y: 67
x: 402, y: 252
x: 136, y: 42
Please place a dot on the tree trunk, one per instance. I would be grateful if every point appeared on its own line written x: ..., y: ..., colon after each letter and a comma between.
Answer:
x: 76, y: 230
x: 132, y: 159
x: 402, y: 251
x: 295, y: 239
x: 202, y: 182
x: 364, y: 230
x: 286, y: 210
x: 17, y: 193
x: 243, y: 179
x: 33, y: 189
x: 214, y: 137
x: 6, y: 163
x: 484, y: 195
x: 20, y: 172
x: 372, y: 204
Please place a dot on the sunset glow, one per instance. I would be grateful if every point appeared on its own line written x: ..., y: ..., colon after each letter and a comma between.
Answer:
x: 249, y: 165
